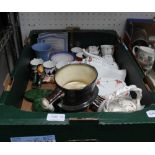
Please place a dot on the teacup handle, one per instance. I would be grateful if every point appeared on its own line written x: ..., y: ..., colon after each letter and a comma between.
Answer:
x: 133, y: 50
x: 48, y: 102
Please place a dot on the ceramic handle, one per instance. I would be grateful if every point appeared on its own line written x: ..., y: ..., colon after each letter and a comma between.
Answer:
x: 133, y: 50
x: 130, y: 88
x: 90, y: 55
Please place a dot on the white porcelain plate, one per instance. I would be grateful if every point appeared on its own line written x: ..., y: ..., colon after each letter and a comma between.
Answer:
x: 62, y: 56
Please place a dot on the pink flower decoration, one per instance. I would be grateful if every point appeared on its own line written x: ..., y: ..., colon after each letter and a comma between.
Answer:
x: 118, y: 81
x: 90, y: 59
x: 98, y: 82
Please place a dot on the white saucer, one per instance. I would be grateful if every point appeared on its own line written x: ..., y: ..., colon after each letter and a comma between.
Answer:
x: 62, y: 56
x: 76, y: 50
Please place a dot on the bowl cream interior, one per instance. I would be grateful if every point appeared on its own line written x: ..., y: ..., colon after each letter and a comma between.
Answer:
x: 75, y: 76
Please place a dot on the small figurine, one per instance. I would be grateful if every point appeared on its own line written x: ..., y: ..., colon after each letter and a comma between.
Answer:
x: 38, y: 76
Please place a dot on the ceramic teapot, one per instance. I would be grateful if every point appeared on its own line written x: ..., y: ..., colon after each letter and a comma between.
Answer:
x: 121, y: 101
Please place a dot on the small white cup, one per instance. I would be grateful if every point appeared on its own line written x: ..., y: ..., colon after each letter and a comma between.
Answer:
x: 107, y: 49
x: 93, y: 50
x: 35, y: 62
x: 49, y: 67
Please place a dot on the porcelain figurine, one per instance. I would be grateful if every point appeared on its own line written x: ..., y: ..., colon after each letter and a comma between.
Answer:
x: 38, y: 76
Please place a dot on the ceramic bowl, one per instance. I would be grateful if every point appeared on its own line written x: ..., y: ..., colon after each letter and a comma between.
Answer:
x: 42, y: 50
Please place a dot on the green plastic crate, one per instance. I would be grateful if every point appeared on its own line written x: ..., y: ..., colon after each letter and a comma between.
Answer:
x: 81, y: 126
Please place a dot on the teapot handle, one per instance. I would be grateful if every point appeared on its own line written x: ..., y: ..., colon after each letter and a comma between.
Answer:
x: 133, y: 50
x: 130, y: 88
x: 125, y: 90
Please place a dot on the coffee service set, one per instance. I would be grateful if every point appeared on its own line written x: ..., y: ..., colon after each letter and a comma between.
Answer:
x: 94, y: 74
